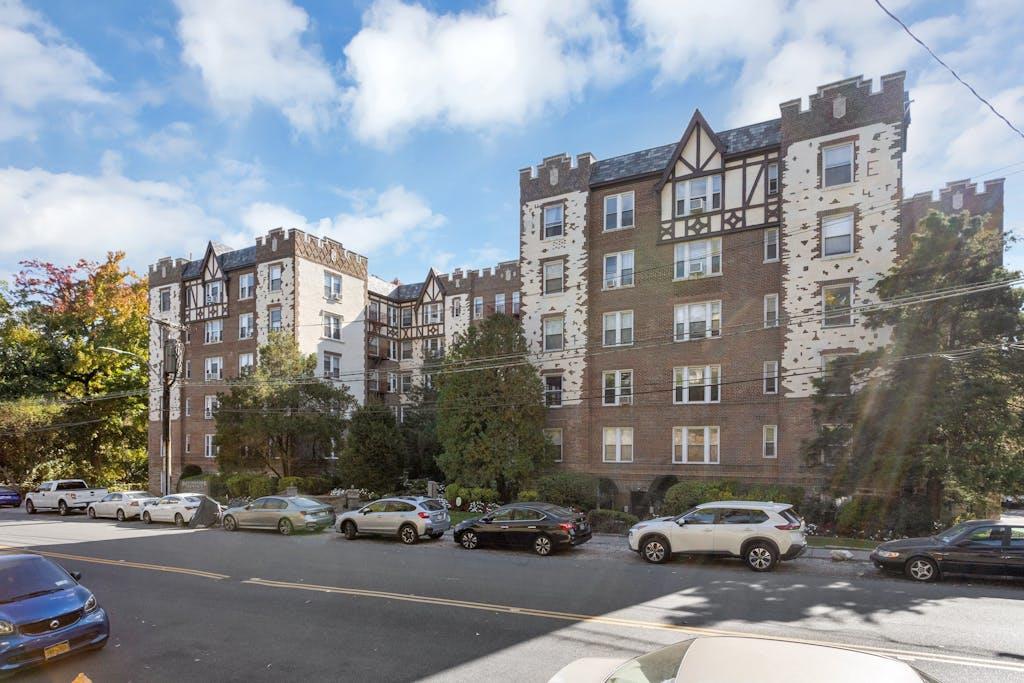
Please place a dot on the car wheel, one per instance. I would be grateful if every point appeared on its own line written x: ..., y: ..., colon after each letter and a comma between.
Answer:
x: 179, y: 521
x: 285, y: 527
x: 230, y: 524
x: 542, y: 545
x: 349, y: 529
x: 146, y: 518
x: 120, y: 515
x: 655, y: 550
x: 469, y: 540
x: 62, y: 508
x: 30, y: 508
x: 761, y: 557
x: 921, y: 569
x: 92, y: 512
x: 408, y: 534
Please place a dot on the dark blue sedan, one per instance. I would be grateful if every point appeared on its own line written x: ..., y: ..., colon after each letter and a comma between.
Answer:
x: 9, y: 496
x: 45, y: 614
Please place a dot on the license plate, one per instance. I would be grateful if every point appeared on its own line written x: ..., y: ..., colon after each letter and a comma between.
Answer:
x: 58, y: 649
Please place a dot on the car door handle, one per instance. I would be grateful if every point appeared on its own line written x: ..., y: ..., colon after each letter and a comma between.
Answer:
x: 504, y: 527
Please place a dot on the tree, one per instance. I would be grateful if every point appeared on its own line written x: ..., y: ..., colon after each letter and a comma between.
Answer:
x: 931, y: 423
x: 372, y: 458
x: 281, y: 417
x: 419, y: 428
x: 490, y: 416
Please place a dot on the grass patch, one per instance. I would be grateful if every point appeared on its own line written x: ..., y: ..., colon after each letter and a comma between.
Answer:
x: 841, y: 542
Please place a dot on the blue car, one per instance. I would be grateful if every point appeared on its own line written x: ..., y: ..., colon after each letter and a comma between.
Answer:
x: 45, y: 614
x: 9, y: 496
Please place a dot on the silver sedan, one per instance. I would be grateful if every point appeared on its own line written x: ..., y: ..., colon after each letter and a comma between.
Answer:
x: 284, y: 513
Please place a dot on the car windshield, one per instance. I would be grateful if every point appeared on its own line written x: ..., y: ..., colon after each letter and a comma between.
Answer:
x: 30, y: 576
x: 306, y: 503
x: 7, y: 489
x: 432, y: 505
x: 952, y: 532
x: 192, y: 499
x: 71, y: 485
x: 660, y: 666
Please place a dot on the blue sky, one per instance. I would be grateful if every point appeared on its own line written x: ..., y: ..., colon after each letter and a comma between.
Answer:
x: 399, y: 128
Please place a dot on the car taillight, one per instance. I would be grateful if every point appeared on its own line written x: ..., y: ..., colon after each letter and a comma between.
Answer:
x: 424, y: 515
x: 566, y: 526
x: 787, y: 527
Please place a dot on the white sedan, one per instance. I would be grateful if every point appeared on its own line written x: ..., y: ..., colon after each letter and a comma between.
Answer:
x: 176, y: 507
x: 122, y: 506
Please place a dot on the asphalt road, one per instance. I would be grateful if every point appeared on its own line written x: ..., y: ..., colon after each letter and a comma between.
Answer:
x: 254, y: 606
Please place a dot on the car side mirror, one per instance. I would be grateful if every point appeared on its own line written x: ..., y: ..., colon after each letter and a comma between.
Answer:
x: 77, y: 576
x: 485, y: 520
x: 364, y: 511
x: 681, y: 522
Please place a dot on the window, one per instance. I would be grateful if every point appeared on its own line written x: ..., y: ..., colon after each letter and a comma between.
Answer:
x: 697, y: 384
x: 618, y: 328
x: 275, y: 319
x: 771, y: 377
x: 212, y: 292
x: 275, y: 271
x: 554, y: 277
x: 188, y: 407
x: 743, y: 517
x: 407, y: 316
x: 432, y: 313
x: 695, y: 445
x: 990, y: 536
x: 332, y: 285
x: 838, y: 165
x: 553, y: 334
x: 770, y: 441
x: 392, y: 382
x: 246, y: 286
x: 214, y: 331
x: 332, y: 365
x: 499, y: 303
x: 456, y: 307
x: 771, y: 245
x: 697, y: 259
x: 773, y: 179
x: 406, y: 349
x: 515, y: 303
x: 246, y: 363
x: 836, y: 302
x: 188, y: 443
x: 618, y: 211
x: 214, y: 368
x: 246, y: 326
x: 210, y: 450
x: 698, y: 321
x: 553, y: 437
x: 392, y: 349
x: 478, y: 307
x: 699, y: 194
x: 618, y: 269
x: 209, y: 406
x: 837, y: 385
x: 553, y: 224
x: 332, y: 326
x: 165, y: 300
x: 618, y: 444
x: 188, y: 369
x: 433, y: 347
x: 618, y: 388
x: 837, y: 235
x: 406, y: 383
x: 373, y: 344
x: 771, y: 310
x: 392, y: 316
x: 553, y: 391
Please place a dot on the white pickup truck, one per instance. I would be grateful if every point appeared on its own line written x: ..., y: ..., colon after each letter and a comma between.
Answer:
x: 63, y: 495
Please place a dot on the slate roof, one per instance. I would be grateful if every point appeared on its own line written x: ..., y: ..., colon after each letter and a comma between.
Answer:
x: 655, y: 159
x: 409, y: 292
x: 229, y: 260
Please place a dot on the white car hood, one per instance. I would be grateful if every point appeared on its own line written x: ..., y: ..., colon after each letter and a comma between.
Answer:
x: 588, y: 670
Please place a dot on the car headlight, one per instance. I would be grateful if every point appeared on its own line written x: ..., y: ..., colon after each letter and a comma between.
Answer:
x: 6, y: 628
x: 90, y: 604
x: 888, y: 554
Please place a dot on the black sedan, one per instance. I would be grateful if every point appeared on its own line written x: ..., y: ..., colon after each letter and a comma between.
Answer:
x: 542, y: 527
x: 979, y: 547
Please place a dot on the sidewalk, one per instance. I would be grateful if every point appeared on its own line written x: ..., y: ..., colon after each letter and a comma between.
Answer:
x: 618, y: 542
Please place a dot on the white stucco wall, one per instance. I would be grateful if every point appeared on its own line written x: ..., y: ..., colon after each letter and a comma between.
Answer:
x: 872, y: 193
x: 456, y: 326
x: 571, y: 303
x: 284, y: 297
x: 156, y: 352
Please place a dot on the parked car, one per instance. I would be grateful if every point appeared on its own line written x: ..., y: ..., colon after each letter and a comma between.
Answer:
x: 711, y: 659
x: 760, y: 533
x: 284, y: 513
x: 542, y: 527
x: 123, y: 505
x: 10, y: 496
x: 63, y: 495
x: 45, y: 613
x: 987, y: 547
x: 408, y: 517
x: 175, y: 507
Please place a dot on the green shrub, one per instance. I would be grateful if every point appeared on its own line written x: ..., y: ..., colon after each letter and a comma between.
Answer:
x: 316, y: 486
x: 237, y: 484
x: 611, y: 521
x: 260, y: 486
x: 191, y: 471
x: 298, y: 482
x: 482, y: 495
x: 568, y: 489
x: 528, y: 495
x: 686, y: 494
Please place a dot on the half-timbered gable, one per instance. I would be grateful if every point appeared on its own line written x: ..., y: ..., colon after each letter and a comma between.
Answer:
x: 206, y: 294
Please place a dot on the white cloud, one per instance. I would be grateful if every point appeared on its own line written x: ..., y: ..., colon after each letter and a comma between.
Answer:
x: 505, y: 64
x: 263, y: 216
x: 252, y: 52
x: 173, y: 142
x: 38, y: 66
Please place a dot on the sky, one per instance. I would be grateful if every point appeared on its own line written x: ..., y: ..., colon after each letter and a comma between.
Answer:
x: 399, y: 128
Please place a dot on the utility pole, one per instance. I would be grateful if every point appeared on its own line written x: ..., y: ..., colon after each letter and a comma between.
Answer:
x: 168, y: 375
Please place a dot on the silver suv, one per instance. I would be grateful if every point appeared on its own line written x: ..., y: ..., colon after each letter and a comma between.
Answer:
x: 407, y: 517
x: 759, y: 533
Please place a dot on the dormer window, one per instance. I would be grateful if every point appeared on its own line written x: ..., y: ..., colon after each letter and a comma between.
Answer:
x: 212, y: 292
x: 698, y: 195
x: 837, y: 165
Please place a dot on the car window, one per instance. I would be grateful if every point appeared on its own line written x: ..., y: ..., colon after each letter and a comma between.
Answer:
x: 986, y: 535
x: 71, y: 485
x: 1017, y: 537
x: 306, y: 503
x: 168, y: 501
x: 399, y: 506
x: 527, y: 515
x: 503, y: 516
x: 277, y: 504
x: 376, y: 507
x: 137, y: 495
x: 737, y: 517
x: 105, y: 499
x: 432, y: 505
x: 258, y: 504
x: 704, y: 516
x: 789, y: 516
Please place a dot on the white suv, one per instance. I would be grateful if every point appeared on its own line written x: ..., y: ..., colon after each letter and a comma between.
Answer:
x: 760, y: 533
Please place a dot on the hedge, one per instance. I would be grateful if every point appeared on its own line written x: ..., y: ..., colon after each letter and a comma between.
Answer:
x: 469, y: 495
x: 298, y: 482
x: 611, y: 521
x: 687, y: 494
x: 528, y: 495
x: 570, y: 489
